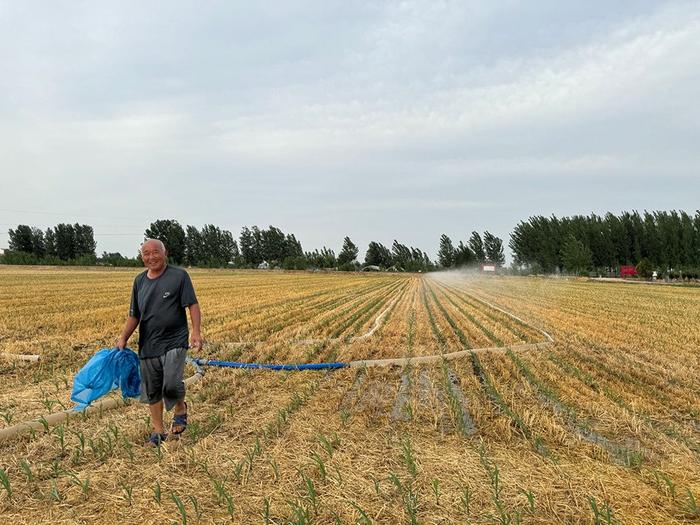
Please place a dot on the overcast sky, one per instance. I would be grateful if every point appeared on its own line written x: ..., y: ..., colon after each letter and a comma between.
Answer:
x: 377, y: 120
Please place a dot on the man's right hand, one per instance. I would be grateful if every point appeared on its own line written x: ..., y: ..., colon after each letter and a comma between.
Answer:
x: 120, y: 342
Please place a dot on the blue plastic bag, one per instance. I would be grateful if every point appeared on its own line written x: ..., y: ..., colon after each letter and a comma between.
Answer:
x: 108, y: 369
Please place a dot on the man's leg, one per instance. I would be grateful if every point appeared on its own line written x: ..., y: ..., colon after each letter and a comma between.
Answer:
x: 152, y: 390
x: 180, y: 409
x: 156, y: 410
x: 174, y: 386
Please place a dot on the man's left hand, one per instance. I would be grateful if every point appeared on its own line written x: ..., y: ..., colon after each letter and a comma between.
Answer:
x: 196, y: 341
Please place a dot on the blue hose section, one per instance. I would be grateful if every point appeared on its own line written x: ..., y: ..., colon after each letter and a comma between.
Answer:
x: 266, y: 366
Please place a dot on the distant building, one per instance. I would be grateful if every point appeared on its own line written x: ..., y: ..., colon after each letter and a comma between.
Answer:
x: 371, y: 268
x: 264, y: 266
x: 488, y: 268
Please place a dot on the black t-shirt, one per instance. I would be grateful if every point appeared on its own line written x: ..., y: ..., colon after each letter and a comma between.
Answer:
x: 159, y: 305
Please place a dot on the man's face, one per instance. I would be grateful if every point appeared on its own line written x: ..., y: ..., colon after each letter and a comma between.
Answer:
x: 153, y: 256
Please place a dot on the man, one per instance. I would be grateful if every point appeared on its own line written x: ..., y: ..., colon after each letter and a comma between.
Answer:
x: 159, y: 298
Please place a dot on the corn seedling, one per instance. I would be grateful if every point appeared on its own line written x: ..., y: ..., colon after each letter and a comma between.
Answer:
x: 274, y: 467
x: 84, y: 485
x: 214, y: 421
x: 94, y: 448
x: 377, y: 486
x: 300, y: 514
x: 158, y: 452
x: 180, y: 507
x: 222, y: 495
x: 60, y: 432
x: 310, y: 488
x: 364, y: 518
x: 44, y: 424
x: 128, y: 492
x: 5, y: 481
x: 114, y: 430
x: 80, y: 450
x: 26, y: 468
x: 109, y: 443
x: 265, y: 514
x: 338, y: 476
x: 56, y: 470
x: 329, y: 444
x: 238, y: 470
x: 54, y: 493
x: 466, y: 500
x: 7, y: 415
x: 129, y: 447
x: 408, y: 497
x: 601, y: 515
x: 197, y: 509
x: 668, y: 483
x: 157, y: 493
x: 48, y: 403
x: 407, y: 457
x: 194, y: 431
x: 318, y: 461
x: 691, y: 506
x: 530, y: 496
x: 435, y: 486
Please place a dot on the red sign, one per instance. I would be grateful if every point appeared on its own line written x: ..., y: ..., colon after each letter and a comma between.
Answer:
x: 628, y: 271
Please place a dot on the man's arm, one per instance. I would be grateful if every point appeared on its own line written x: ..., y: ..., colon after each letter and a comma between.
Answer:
x: 196, y: 318
x: 129, y: 327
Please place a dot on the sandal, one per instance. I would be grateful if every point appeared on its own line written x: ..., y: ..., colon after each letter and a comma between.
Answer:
x: 156, y: 439
x: 181, y: 421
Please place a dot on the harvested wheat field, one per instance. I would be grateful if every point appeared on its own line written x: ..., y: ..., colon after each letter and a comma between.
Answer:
x: 568, y: 401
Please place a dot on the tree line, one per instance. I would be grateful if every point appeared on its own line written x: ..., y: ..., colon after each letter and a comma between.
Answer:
x: 666, y: 241
x: 273, y: 248
x: 476, y: 251
x: 209, y: 246
x: 61, y: 244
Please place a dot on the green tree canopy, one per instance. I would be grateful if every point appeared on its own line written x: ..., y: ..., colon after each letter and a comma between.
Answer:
x: 21, y: 239
x: 493, y: 247
x: 463, y: 255
x: 576, y: 256
x: 378, y: 255
x: 476, y: 245
x: 446, y: 252
x: 348, y: 253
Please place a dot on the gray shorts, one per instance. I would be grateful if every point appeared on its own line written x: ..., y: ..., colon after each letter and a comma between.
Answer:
x: 161, y: 378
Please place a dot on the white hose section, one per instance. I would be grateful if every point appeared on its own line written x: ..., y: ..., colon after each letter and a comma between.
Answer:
x: 20, y: 357
x: 426, y: 359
